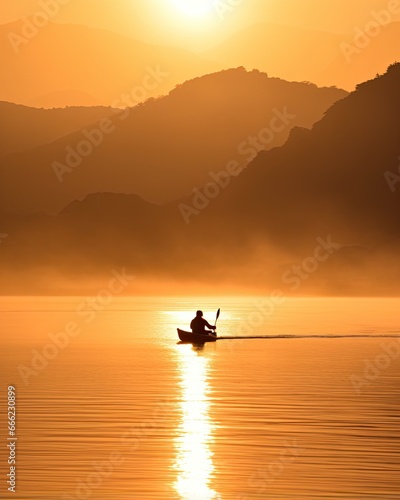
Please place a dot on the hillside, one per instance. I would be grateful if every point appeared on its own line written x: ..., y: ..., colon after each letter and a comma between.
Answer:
x: 324, y: 185
x: 325, y: 192
x: 338, y: 179
x: 167, y: 147
x: 334, y: 172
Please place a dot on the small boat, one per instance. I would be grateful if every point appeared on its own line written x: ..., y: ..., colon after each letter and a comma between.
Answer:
x: 196, y: 338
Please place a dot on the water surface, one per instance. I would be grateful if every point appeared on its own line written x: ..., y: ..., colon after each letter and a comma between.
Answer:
x: 122, y: 411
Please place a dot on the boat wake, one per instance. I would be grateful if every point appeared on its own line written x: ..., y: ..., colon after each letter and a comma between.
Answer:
x: 319, y: 336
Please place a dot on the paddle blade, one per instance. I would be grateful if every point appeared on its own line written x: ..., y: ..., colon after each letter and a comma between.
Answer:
x: 216, y: 319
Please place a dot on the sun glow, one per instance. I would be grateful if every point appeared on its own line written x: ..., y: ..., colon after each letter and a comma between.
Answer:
x: 195, y: 9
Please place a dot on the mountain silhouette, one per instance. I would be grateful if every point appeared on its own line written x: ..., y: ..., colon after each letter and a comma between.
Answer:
x: 335, y: 172
x: 338, y: 179
x: 24, y: 128
x: 165, y: 148
x: 324, y: 188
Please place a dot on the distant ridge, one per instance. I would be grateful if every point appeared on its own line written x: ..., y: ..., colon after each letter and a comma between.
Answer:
x: 89, y: 66
x: 167, y: 147
x: 324, y: 58
x: 24, y: 128
x: 323, y: 193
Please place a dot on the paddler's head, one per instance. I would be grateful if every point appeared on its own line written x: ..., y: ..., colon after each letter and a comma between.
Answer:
x: 199, y: 314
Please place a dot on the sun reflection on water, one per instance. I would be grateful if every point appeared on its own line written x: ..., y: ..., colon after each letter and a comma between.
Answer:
x: 194, y: 457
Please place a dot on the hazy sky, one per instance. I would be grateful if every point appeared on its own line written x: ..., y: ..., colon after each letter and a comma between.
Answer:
x: 173, y: 22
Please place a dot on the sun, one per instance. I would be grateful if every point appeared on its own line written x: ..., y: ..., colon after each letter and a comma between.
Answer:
x: 195, y: 9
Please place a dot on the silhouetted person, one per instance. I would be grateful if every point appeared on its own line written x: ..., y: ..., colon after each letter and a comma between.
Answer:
x: 199, y: 324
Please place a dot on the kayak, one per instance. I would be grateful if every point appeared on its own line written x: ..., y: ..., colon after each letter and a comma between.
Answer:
x: 196, y: 338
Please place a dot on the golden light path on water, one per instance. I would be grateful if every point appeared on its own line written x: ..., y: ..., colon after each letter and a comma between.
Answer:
x: 194, y: 457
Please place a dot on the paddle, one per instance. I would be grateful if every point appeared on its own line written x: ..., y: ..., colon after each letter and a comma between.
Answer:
x: 216, y: 319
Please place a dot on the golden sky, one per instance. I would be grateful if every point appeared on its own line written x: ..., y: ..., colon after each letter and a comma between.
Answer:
x: 199, y: 24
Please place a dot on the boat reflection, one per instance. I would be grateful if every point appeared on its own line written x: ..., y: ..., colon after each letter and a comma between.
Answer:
x: 194, y: 456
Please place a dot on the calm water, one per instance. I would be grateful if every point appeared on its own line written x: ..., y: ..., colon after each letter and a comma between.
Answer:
x: 121, y: 411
